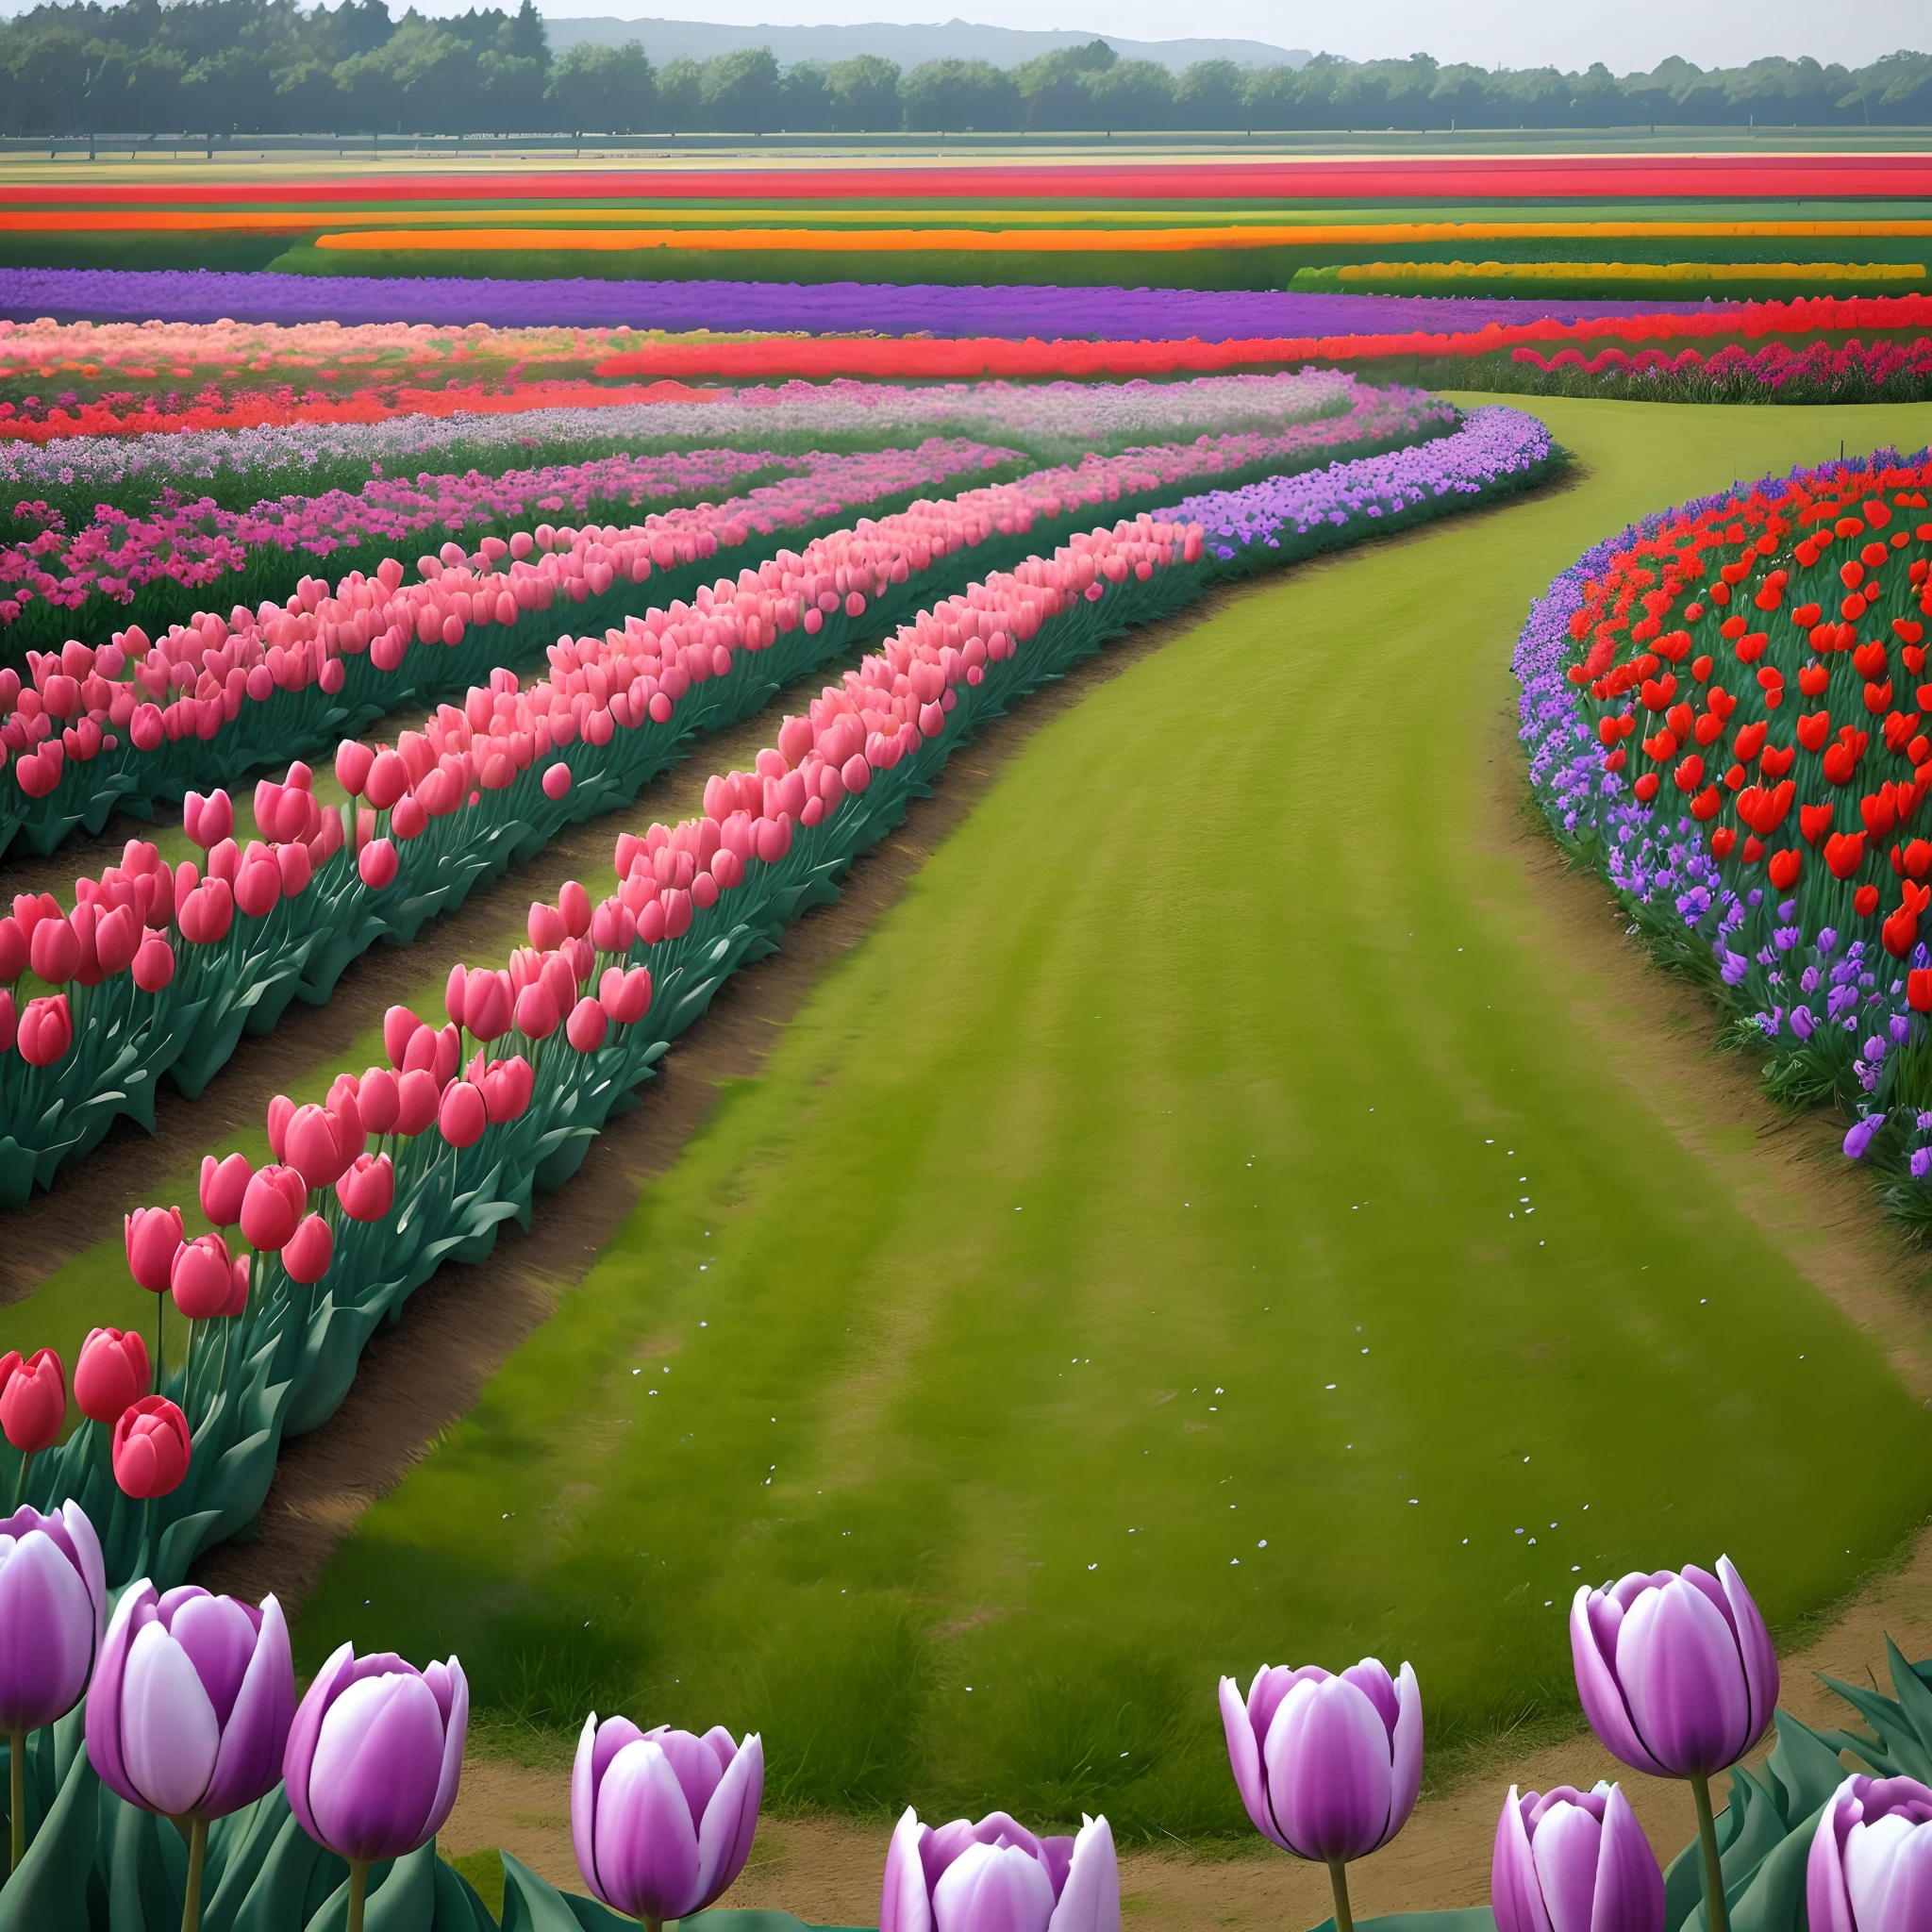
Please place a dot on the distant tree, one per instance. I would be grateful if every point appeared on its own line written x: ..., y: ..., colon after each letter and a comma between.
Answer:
x: 740, y: 91
x: 1132, y: 95
x: 1209, y: 94
x: 805, y: 104
x: 1056, y: 89
x: 864, y: 95
x: 608, y: 90
x: 959, y: 96
x: 681, y: 95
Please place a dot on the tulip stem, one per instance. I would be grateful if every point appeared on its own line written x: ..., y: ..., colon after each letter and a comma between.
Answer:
x: 197, y: 1853
x: 16, y: 1816
x: 1713, y: 1867
x: 26, y: 1462
x: 1337, y: 1882
x: 358, y: 1887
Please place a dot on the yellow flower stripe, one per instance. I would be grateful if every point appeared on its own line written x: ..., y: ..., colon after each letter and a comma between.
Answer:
x: 1043, y: 240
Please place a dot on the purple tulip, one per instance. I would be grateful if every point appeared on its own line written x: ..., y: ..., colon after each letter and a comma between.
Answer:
x: 1871, y: 1864
x: 997, y: 1876
x: 53, y: 1610
x: 53, y: 1603
x: 1676, y: 1673
x: 1328, y: 1767
x: 374, y: 1759
x: 190, y: 1710
x: 661, y: 1821
x: 1574, y: 1861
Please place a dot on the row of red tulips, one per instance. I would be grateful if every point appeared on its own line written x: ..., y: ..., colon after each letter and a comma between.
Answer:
x: 164, y: 970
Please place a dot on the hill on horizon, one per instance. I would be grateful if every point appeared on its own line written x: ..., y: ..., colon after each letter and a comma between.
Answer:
x: 955, y: 39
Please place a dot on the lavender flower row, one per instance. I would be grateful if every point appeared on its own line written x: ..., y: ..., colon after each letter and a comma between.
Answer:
x: 827, y: 309
x: 1494, y: 446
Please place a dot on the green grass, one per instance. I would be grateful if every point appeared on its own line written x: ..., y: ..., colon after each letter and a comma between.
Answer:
x: 994, y: 1320
x: 1214, y: 1060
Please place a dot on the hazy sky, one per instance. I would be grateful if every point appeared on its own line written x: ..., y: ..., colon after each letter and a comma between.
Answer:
x: 1514, y: 33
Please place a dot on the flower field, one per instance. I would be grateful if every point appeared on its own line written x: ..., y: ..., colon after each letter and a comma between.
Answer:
x: 774, y: 1032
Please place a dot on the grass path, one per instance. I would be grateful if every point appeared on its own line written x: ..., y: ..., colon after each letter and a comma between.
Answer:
x: 1200, y: 1224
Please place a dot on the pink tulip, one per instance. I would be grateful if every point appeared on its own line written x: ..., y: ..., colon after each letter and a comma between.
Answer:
x: 386, y: 780
x: 399, y: 1026
x: 378, y: 864
x: 151, y: 1448
x: 537, y: 1017
x: 506, y: 1086
x: 54, y: 951
x: 117, y: 939
x: 10, y: 1021
x: 556, y: 782
x: 207, y: 913
x: 586, y: 1027
x: 209, y: 820
x: 625, y: 996
x: 154, y: 964
x: 353, y: 762
x: 379, y: 1098
x: 309, y: 1250
x: 487, y: 1005
x: 419, y: 1098
x: 153, y: 1237
x: 574, y: 905
x: 112, y: 1372
x: 271, y: 1206
x: 222, y: 1186
x: 205, y: 1284
x: 612, y: 928
x: 461, y: 1116
x: 258, y: 888
x: 411, y: 818
x: 317, y: 1146
x: 47, y: 1031
x: 281, y: 1111
x: 14, y: 948
x: 368, y: 1190
x: 546, y: 926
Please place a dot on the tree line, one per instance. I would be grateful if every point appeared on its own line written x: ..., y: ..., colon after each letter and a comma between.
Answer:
x: 267, y: 66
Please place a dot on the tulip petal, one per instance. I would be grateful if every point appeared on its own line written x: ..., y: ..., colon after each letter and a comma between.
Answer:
x: 1405, y: 1750
x: 696, y: 1764
x: 170, y: 1736
x: 1516, y: 1897
x: 904, y: 1903
x: 993, y: 1889
x: 583, y: 1808
x: 102, y: 1723
x: 298, y: 1758
x: 1327, y: 1757
x: 1090, y: 1898
x: 731, y: 1819
x: 1683, y: 1680
x: 1594, y: 1621
x: 219, y: 1636
x: 378, y: 1760
x: 48, y: 1633
x: 1906, y: 1904
x: 1565, y: 1851
x: 456, y: 1731
x: 255, y: 1735
x: 1754, y: 1646
x: 1629, y: 1885
x: 647, y: 1846
x: 86, y: 1551
x: 1244, y: 1755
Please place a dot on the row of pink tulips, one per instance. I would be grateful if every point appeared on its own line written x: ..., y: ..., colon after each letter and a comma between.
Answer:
x: 452, y: 803
x: 401, y: 1165
x: 137, y: 722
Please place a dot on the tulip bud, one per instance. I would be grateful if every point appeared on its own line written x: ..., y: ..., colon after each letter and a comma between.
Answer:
x: 545, y: 927
x: 271, y: 1206
x: 574, y: 905
x: 281, y: 1111
x: 222, y: 1186
x: 586, y: 1025
x: 33, y: 1400
x: 151, y: 1449
x: 556, y: 782
x: 154, y: 964
x: 112, y: 1372
x: 537, y: 1017
x: 399, y: 1026
x: 205, y: 1283
x: 995, y: 1874
x: 54, y: 951
x: 353, y: 762
x: 368, y: 1190
x: 153, y: 1237
x: 418, y: 1098
x: 315, y: 1148
x: 309, y: 1250
x: 52, y: 1605
x: 1584, y: 1851
x: 379, y: 1099
x: 376, y: 864
x: 461, y: 1114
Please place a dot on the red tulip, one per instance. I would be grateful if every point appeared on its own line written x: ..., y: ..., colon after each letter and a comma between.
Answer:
x: 54, y: 951
x: 271, y: 1206
x: 1784, y: 867
x: 625, y: 996
x: 207, y: 913
x: 14, y: 948
x: 461, y: 1115
x: 309, y: 1250
x: 545, y: 928
x: 368, y: 1190
x: 154, y: 1238
x: 112, y: 1371
x: 506, y: 1086
x: 574, y: 904
x: 1845, y: 853
x: 151, y: 1448
x: 556, y: 782
x: 537, y: 1017
x: 486, y: 1001
x: 222, y: 1186
x: 207, y: 1283
x: 352, y: 761
x: 33, y: 1400
x: 378, y: 864
x: 586, y: 1027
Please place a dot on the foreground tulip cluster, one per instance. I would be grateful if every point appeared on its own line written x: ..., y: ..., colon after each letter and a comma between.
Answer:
x: 1727, y: 714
